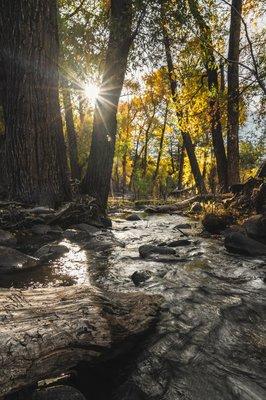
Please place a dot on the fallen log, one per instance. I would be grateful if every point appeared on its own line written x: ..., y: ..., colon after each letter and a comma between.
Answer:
x: 47, y: 332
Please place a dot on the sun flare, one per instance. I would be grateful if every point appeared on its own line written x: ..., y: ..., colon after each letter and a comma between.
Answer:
x: 91, y: 92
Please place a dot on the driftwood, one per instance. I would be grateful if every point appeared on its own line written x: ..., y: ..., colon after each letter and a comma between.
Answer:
x: 182, y: 205
x: 47, y: 332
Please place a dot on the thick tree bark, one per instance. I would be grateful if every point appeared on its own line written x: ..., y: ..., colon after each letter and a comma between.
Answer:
x: 213, y: 85
x: 47, y: 332
x: 71, y: 132
x: 233, y: 93
x: 187, y: 141
x: 160, y: 151
x: 35, y: 149
x: 181, y: 167
x: 97, y: 178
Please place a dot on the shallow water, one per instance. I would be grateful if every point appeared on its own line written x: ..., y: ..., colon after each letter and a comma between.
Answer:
x: 210, y: 340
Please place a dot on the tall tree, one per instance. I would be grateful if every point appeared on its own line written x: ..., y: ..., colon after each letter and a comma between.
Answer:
x: 35, y: 149
x: 187, y: 141
x: 213, y: 85
x: 233, y: 93
x: 96, y: 181
x: 70, y: 131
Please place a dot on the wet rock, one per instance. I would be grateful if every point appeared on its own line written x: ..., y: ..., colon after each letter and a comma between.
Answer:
x: 7, y: 239
x: 140, y: 276
x: 237, y: 242
x: 183, y: 226
x: 43, y: 229
x: 255, y: 227
x: 77, y: 235
x: 58, y: 393
x: 196, y: 207
x: 88, y: 228
x: 147, y: 250
x: 133, y: 217
x: 179, y: 243
x: 50, y: 251
x: 40, y: 210
x: 12, y: 260
x: 216, y: 223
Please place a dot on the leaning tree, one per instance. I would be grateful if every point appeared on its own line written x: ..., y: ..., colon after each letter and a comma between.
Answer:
x: 34, y: 147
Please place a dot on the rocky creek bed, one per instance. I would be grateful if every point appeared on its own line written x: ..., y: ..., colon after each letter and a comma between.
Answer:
x: 209, y: 342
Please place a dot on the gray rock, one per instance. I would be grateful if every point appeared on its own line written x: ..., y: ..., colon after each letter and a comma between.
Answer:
x: 51, y: 251
x: 216, y: 223
x: 12, y: 260
x: 183, y: 226
x: 179, y: 243
x: 77, y: 235
x: 147, y: 250
x: 255, y: 227
x: 133, y: 217
x: 88, y: 228
x: 140, y: 276
x: 7, y: 239
x: 196, y: 207
x: 237, y: 242
x: 45, y: 229
x: 58, y: 393
x: 40, y: 210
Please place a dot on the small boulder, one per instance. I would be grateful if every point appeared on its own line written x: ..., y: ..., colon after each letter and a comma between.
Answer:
x: 183, y: 226
x: 196, y: 208
x: 147, y: 250
x: 43, y: 229
x: 179, y: 243
x: 133, y: 217
x: 215, y: 223
x: 51, y: 251
x: 12, y: 260
x: 255, y: 227
x: 140, y: 276
x: 237, y: 242
x: 61, y: 392
x: 7, y: 239
x: 40, y: 210
x: 91, y: 229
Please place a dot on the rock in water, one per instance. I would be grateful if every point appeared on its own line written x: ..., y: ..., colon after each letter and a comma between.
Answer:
x: 148, y: 249
x: 133, y: 217
x: 51, y: 251
x: 58, y: 393
x: 196, y: 207
x: 7, y: 238
x: 140, y: 276
x: 236, y: 242
x: 12, y: 260
x: 256, y: 227
x: 215, y: 223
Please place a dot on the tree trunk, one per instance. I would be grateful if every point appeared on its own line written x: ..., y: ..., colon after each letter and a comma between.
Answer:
x: 71, y: 132
x: 160, y: 151
x: 97, y: 178
x: 35, y: 149
x: 181, y: 167
x: 233, y: 94
x: 185, y: 136
x: 213, y: 85
x: 47, y: 332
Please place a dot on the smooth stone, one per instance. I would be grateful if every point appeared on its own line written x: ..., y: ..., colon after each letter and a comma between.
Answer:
x: 58, y: 393
x: 45, y: 229
x: 51, y: 251
x: 147, y: 249
x: 196, y: 207
x: 239, y: 243
x: 12, y: 260
x: 88, y: 228
x: 140, y: 276
x: 40, y: 210
x: 216, y: 223
x: 7, y: 239
x: 77, y: 235
x: 183, y: 226
x: 255, y: 227
x: 180, y: 242
x: 133, y: 217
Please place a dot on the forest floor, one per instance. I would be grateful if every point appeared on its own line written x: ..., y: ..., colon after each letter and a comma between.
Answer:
x: 209, y: 342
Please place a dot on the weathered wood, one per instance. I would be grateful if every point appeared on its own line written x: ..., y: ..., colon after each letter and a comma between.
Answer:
x: 46, y: 332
